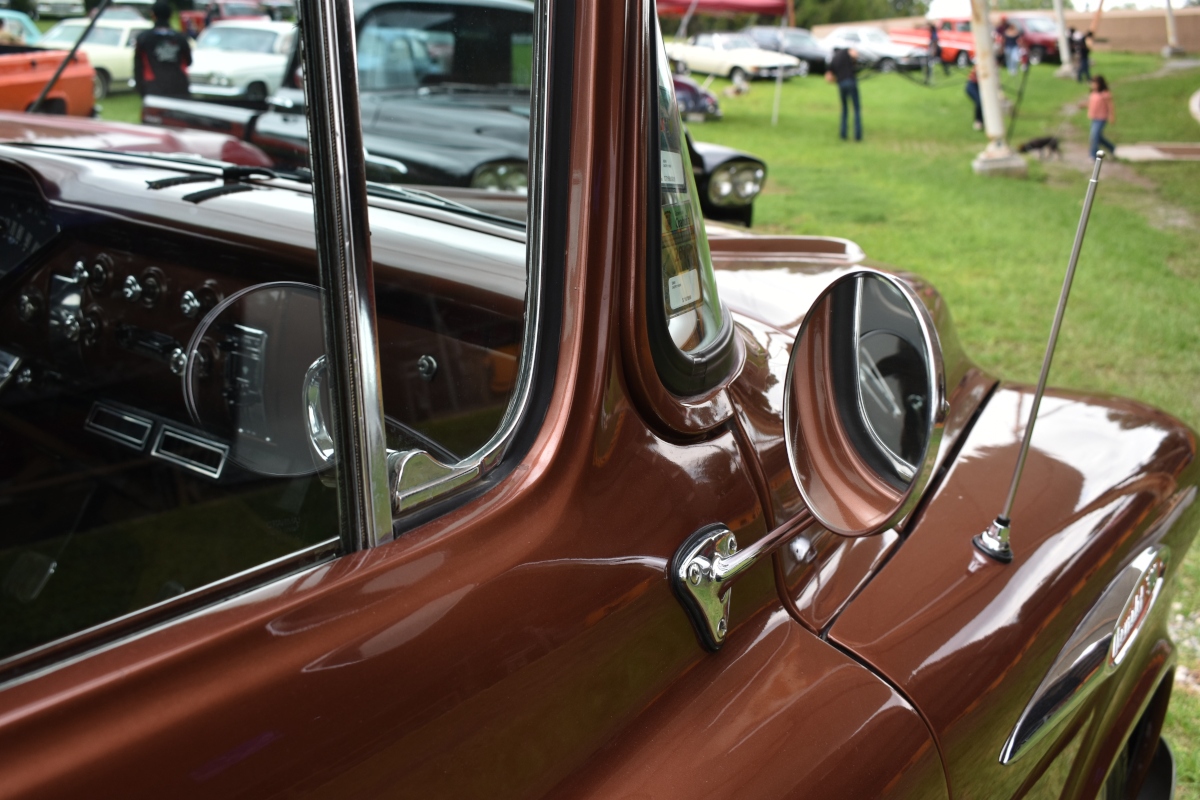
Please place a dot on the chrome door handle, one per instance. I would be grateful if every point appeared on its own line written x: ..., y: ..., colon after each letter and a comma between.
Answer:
x: 706, y: 565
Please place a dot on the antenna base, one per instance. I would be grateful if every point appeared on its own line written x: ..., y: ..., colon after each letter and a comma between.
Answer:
x: 993, y: 542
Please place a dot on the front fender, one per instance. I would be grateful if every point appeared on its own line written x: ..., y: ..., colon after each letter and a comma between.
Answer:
x: 969, y: 640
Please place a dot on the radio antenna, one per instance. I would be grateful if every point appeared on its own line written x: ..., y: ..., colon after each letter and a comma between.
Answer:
x: 994, y: 541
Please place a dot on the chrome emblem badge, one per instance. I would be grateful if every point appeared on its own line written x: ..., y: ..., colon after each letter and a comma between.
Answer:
x: 1137, y: 607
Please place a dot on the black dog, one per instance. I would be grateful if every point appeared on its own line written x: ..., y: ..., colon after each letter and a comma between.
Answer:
x: 1043, y: 145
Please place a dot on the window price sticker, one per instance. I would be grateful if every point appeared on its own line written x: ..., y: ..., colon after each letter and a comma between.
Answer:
x: 672, y: 168
x: 684, y: 290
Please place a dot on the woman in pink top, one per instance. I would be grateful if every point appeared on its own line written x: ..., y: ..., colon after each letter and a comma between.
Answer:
x: 1100, y: 112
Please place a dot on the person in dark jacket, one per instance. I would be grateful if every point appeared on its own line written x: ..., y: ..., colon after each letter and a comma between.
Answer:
x: 161, y: 57
x: 843, y: 70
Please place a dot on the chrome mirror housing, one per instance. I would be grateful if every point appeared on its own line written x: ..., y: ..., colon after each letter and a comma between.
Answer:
x: 864, y: 403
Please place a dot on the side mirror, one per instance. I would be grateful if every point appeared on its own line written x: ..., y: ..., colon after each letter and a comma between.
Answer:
x: 864, y: 408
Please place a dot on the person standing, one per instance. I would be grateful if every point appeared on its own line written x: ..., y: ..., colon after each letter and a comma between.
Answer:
x: 1012, y: 47
x: 843, y: 70
x: 1084, y: 52
x: 1101, y: 112
x: 161, y: 57
x: 972, y: 90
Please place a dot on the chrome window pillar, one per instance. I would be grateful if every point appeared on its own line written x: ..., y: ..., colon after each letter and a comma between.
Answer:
x: 344, y: 261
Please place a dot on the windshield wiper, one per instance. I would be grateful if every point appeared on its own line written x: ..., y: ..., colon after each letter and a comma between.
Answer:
x: 431, y: 200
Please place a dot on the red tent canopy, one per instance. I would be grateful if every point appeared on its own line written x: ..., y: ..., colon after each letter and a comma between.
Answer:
x: 676, y: 8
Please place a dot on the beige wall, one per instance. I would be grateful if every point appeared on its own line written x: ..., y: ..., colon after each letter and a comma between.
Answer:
x: 1133, y: 31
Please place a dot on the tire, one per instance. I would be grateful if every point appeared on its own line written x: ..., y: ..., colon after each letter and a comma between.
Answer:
x: 963, y: 59
x: 738, y: 74
x: 802, y: 70
x: 1036, y: 55
x: 101, y: 84
x: 256, y: 92
x: 887, y: 65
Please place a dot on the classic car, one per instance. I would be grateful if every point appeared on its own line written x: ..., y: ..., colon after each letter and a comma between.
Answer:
x: 696, y: 103
x: 318, y: 488
x: 60, y: 8
x: 25, y: 71
x: 954, y: 38
x: 195, y: 19
x: 414, y: 101
x: 798, y: 42
x: 242, y: 59
x: 734, y: 56
x: 17, y: 28
x: 109, y: 46
x: 874, y: 48
x: 1040, y: 35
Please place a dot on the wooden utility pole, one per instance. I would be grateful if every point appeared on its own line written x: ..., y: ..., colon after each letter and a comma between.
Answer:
x: 996, y: 158
x: 1172, y: 48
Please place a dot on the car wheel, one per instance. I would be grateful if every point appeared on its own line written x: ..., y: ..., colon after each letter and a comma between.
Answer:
x: 1037, y: 55
x: 802, y: 70
x: 256, y: 92
x: 887, y: 65
x: 963, y: 59
x: 100, y: 84
x: 739, y: 75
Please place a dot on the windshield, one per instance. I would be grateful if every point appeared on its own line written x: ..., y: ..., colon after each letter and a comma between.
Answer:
x: 69, y: 34
x: 407, y: 45
x: 736, y: 42
x: 800, y: 40
x: 1040, y: 25
x: 233, y: 39
x: 874, y: 35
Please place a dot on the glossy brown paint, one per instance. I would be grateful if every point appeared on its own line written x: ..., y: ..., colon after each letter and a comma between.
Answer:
x: 502, y: 647
x: 967, y: 639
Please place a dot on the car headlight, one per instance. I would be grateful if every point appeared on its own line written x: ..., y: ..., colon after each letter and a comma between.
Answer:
x: 501, y: 176
x: 222, y: 80
x: 736, y: 183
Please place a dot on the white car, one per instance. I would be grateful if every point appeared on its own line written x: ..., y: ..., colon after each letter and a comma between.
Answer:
x: 874, y: 47
x: 109, y: 46
x: 240, y: 59
x: 732, y: 55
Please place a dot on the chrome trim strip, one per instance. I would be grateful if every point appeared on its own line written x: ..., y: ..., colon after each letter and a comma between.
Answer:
x: 78, y: 646
x: 9, y: 366
x: 218, y: 448
x: 343, y: 232
x: 95, y: 426
x: 418, y: 490
x: 1093, y: 651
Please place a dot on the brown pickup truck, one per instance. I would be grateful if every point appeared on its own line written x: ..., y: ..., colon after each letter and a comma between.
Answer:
x: 24, y: 71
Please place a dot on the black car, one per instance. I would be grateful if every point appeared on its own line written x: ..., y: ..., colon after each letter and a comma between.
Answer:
x: 796, y: 42
x: 415, y: 94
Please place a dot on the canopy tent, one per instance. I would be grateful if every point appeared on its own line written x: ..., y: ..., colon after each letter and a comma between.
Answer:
x: 676, y: 8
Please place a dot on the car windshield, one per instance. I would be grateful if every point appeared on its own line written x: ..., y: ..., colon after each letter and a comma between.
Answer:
x: 242, y: 10
x: 874, y: 35
x: 800, y: 40
x: 406, y: 46
x: 234, y: 39
x: 736, y: 42
x: 67, y: 35
x: 1040, y: 25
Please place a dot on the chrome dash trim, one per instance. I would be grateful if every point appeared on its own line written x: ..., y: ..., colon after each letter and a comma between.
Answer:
x: 1095, y: 649
x: 95, y: 424
x: 166, y: 434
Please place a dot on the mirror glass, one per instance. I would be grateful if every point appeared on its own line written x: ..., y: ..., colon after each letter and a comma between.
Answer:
x: 864, y: 405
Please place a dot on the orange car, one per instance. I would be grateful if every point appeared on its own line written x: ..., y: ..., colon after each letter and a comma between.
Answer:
x: 24, y: 71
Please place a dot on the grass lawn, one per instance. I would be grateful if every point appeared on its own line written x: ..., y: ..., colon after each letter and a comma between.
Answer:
x: 998, y: 247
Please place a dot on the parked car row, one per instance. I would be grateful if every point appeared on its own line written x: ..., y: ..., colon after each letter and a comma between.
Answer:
x: 762, y: 51
x: 1038, y: 34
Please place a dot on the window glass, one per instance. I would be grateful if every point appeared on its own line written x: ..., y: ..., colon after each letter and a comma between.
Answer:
x: 158, y: 347
x: 689, y: 292
x: 240, y: 40
x: 67, y: 35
